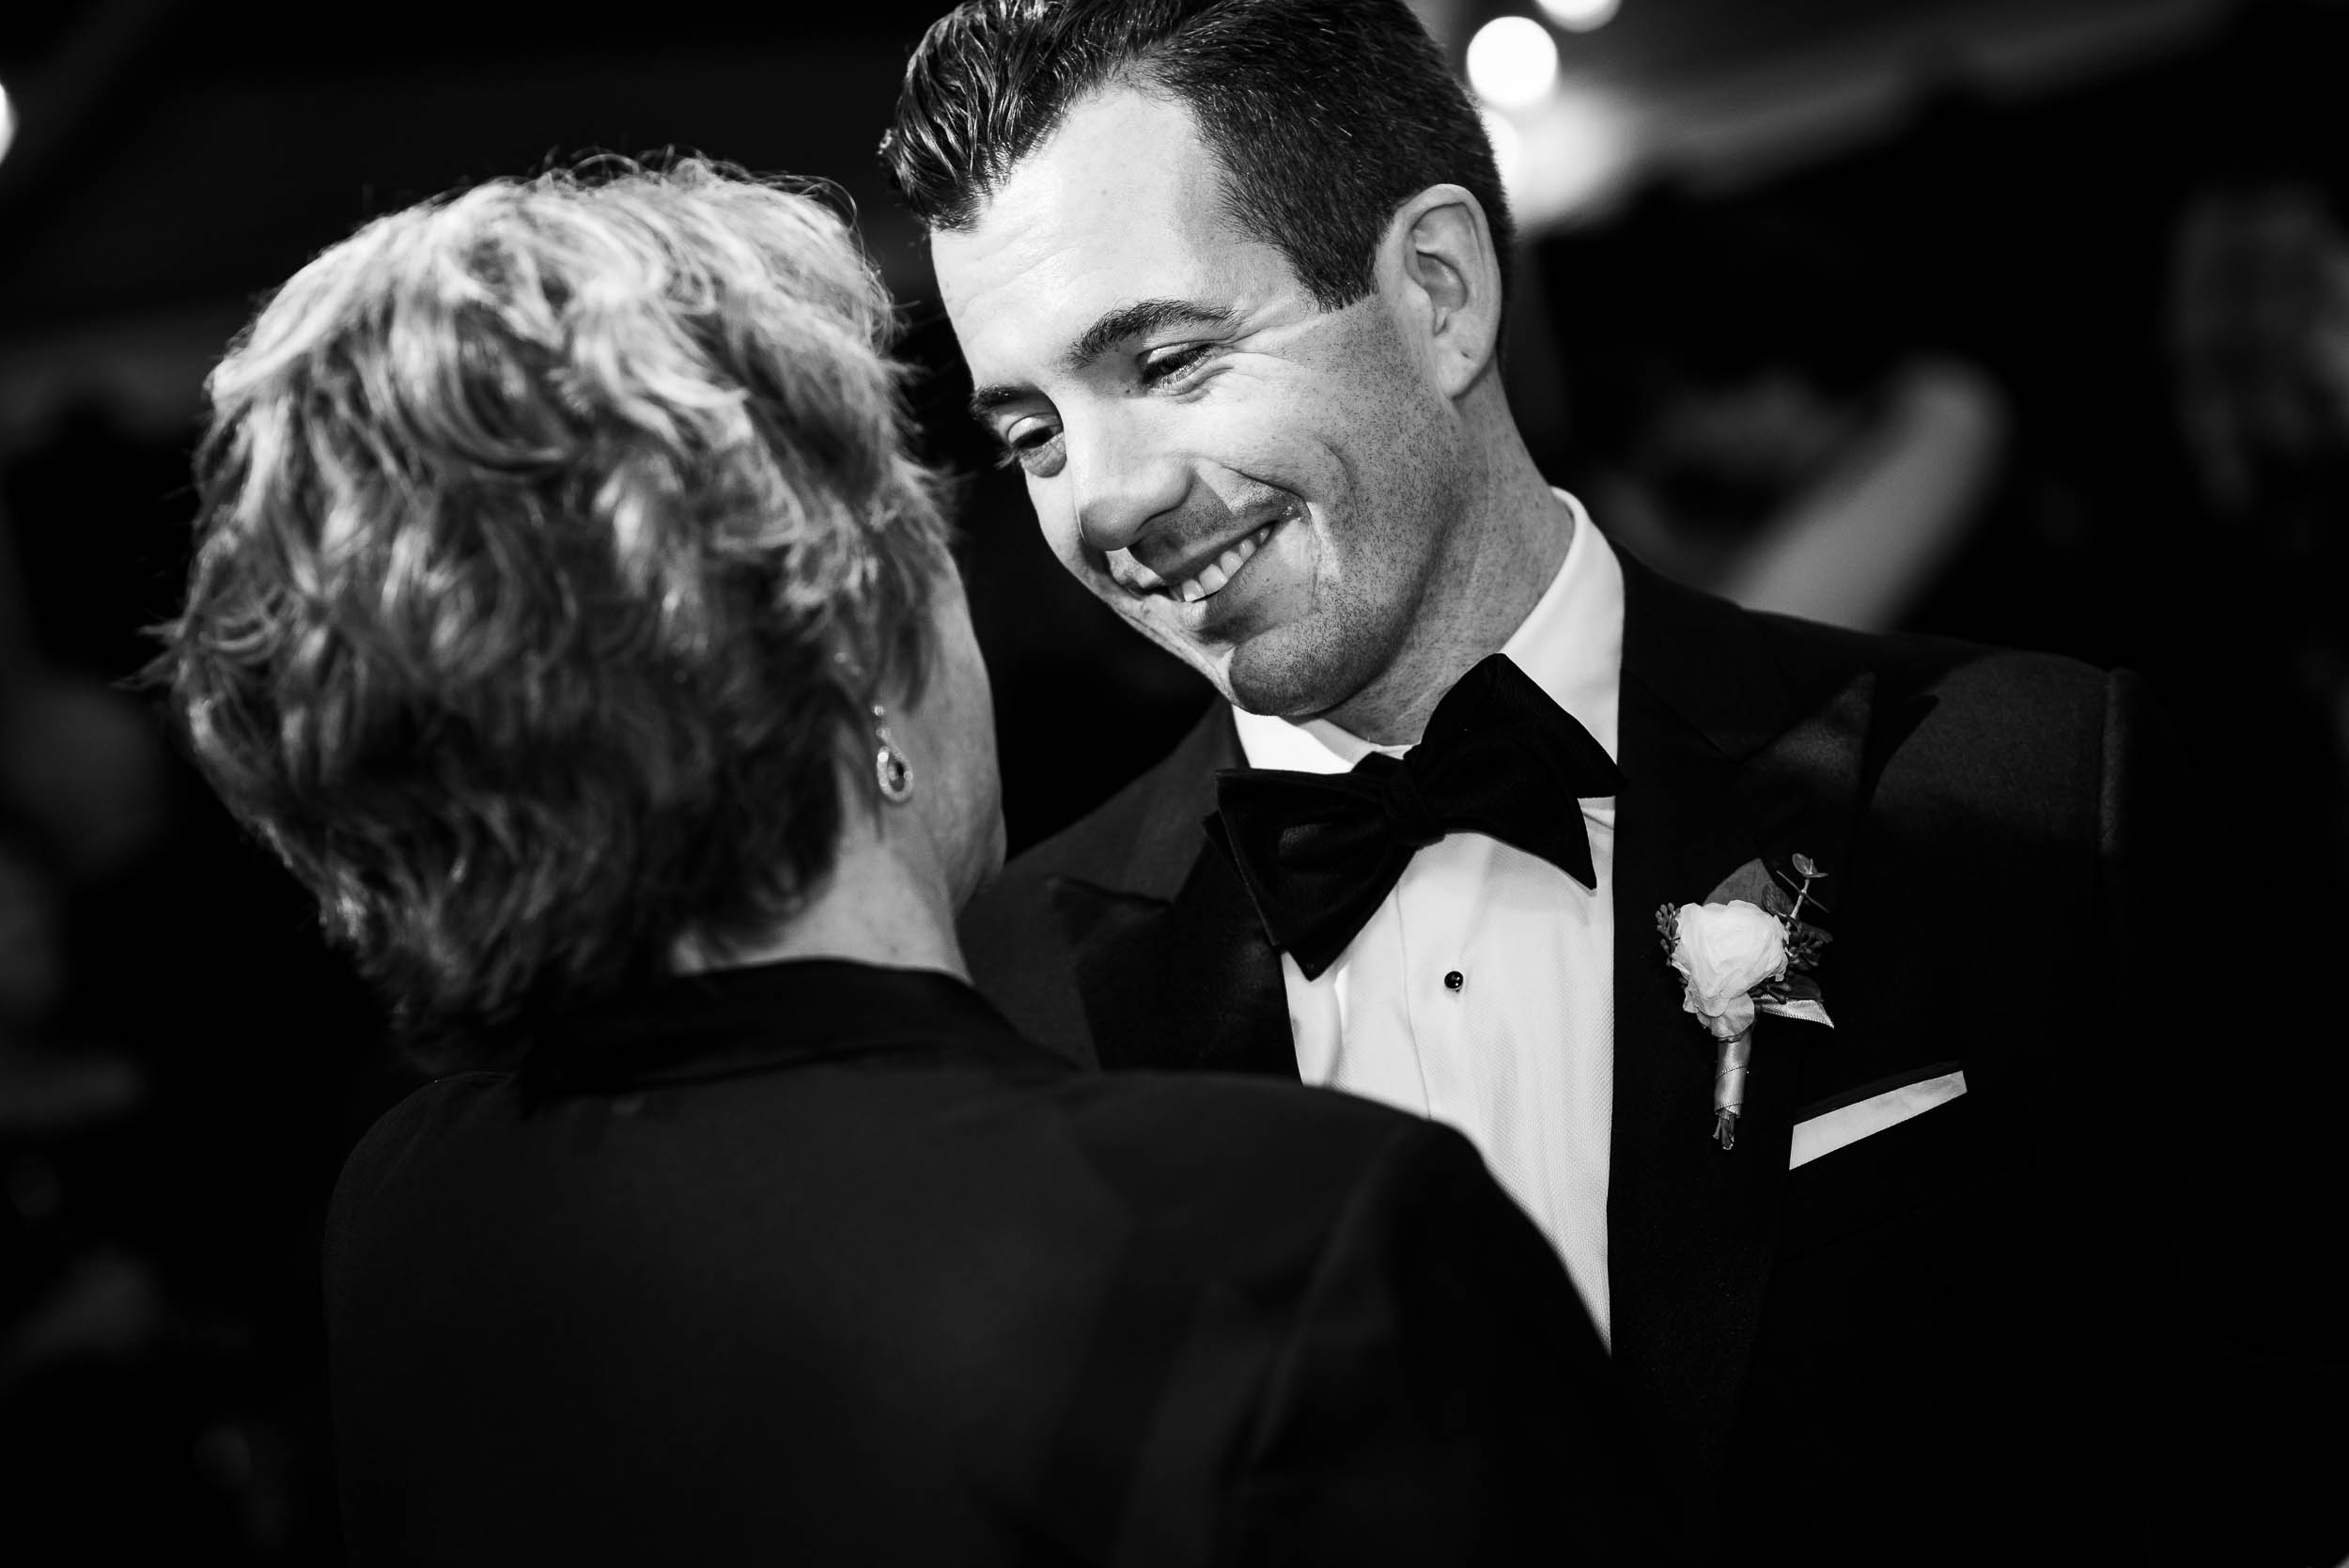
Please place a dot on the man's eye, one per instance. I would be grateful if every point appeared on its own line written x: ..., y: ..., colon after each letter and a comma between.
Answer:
x: 1173, y: 365
x: 1034, y: 444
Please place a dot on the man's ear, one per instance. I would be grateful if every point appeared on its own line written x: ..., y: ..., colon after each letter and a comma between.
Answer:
x: 1449, y: 276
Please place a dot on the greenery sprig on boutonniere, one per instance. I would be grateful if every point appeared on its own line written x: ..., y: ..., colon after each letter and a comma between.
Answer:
x: 1736, y: 958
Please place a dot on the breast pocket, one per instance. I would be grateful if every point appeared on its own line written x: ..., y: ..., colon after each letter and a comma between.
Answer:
x: 1901, y: 1172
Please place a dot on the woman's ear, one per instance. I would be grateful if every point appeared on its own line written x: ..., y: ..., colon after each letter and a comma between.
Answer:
x: 1441, y: 247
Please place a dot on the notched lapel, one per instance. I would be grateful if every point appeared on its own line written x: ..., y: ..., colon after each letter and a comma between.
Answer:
x: 1735, y: 744
x: 1172, y: 968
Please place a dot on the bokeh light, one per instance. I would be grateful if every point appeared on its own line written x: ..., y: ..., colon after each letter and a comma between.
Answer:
x: 7, y: 120
x: 1512, y: 62
x: 1580, y: 16
x: 1575, y: 154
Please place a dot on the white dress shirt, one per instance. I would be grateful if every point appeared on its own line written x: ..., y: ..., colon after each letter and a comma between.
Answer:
x: 1481, y: 992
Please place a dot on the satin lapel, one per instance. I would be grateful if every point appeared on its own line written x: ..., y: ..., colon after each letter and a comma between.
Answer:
x: 1738, y: 738
x: 1172, y: 966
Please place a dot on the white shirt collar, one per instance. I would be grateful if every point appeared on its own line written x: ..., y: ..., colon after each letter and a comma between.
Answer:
x: 1571, y: 643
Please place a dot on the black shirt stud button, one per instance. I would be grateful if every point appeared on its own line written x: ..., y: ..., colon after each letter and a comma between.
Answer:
x: 1454, y: 980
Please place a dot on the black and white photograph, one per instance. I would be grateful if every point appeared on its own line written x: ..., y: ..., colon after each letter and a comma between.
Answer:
x: 1174, y: 783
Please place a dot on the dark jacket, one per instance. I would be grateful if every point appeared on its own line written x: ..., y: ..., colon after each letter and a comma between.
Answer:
x: 817, y: 1263
x: 1931, y: 1345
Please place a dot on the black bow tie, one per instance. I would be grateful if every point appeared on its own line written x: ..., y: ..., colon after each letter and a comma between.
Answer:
x: 1320, y: 851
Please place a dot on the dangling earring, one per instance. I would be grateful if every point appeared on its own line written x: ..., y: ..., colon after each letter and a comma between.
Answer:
x: 890, y: 769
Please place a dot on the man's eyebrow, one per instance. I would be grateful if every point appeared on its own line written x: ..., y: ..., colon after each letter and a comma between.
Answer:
x: 1114, y: 327
x: 1135, y: 320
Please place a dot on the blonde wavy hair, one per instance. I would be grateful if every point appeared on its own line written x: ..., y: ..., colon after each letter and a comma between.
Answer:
x: 553, y: 535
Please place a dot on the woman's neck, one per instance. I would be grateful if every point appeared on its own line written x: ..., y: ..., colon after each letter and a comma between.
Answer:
x: 871, y: 908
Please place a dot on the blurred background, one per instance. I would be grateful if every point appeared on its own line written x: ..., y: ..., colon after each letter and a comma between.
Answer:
x: 2026, y: 323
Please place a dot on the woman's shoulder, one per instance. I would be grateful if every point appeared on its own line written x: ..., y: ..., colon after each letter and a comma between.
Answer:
x: 1250, y: 1148
x: 419, y: 1135
x: 1224, y: 1108
x: 1230, y: 1174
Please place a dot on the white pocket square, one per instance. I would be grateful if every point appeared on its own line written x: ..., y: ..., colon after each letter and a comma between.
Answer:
x: 1830, y: 1130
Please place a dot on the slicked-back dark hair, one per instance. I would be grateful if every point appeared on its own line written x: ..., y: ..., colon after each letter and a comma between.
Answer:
x: 544, y: 532
x: 1325, y: 115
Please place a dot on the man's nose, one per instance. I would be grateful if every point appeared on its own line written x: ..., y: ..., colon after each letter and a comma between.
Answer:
x: 1125, y: 473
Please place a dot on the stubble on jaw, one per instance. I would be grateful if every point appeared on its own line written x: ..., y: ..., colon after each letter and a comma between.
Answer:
x: 1355, y: 659
x: 1343, y: 642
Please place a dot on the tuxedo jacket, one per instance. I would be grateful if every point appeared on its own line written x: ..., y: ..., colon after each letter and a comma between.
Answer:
x: 817, y: 1263
x: 1930, y: 1345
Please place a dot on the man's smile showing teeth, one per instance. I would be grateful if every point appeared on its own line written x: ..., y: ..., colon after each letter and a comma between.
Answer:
x: 1219, y: 571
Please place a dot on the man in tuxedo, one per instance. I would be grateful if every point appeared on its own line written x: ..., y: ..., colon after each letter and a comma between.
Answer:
x: 1230, y: 278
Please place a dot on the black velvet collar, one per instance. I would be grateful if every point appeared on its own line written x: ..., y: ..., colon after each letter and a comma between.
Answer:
x: 720, y: 1023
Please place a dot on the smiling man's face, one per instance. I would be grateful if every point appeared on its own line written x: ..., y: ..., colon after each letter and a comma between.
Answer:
x: 1261, y: 485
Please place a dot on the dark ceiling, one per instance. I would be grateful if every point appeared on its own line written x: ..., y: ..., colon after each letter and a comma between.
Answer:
x: 170, y: 153
x: 175, y: 154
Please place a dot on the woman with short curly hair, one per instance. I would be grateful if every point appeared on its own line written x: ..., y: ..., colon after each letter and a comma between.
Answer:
x: 556, y: 537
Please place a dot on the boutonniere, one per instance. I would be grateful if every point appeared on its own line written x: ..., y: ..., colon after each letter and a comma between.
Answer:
x: 1737, y: 958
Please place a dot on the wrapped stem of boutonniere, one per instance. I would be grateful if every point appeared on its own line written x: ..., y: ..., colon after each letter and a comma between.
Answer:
x: 1737, y: 959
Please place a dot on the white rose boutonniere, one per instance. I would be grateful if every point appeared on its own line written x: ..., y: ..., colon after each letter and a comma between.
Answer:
x: 1733, y: 960
x: 1722, y: 952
